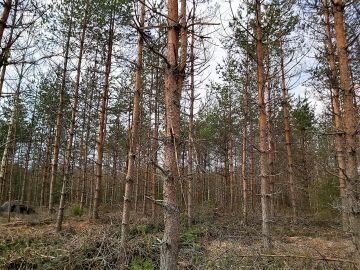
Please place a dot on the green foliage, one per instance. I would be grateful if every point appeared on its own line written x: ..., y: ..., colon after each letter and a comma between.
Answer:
x: 19, y: 243
x: 75, y: 210
x: 303, y: 114
x: 139, y: 263
x: 143, y: 229
x: 191, y: 238
x: 326, y: 197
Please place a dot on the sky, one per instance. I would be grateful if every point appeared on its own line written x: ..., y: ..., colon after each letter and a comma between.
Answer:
x: 224, y: 15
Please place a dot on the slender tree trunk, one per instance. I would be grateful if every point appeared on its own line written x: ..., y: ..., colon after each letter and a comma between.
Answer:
x: 252, y: 166
x: 71, y: 131
x: 231, y: 170
x: 350, y: 127
x: 11, y: 175
x: 11, y: 130
x: 271, y: 149
x: 137, y: 178
x: 85, y: 150
x: 130, y: 175
x: 287, y: 131
x: 336, y: 111
x: 264, y: 170
x: 114, y: 175
x: 244, y: 144
x: 27, y: 157
x: 58, y: 125
x: 46, y: 166
x: 147, y: 164
x: 155, y: 146
x: 243, y: 173
x: 191, y: 121
x: 102, y: 122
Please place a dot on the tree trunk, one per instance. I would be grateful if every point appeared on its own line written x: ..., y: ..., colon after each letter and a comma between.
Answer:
x: 11, y: 131
x: 71, y: 131
x: 336, y: 112
x: 244, y: 144
x: 102, y: 121
x: 85, y: 151
x: 58, y: 125
x: 264, y: 170
x: 191, y: 121
x: 130, y: 175
x: 5, y: 54
x: 350, y: 127
x: 271, y: 148
x: 4, y: 17
x: 173, y: 82
x: 155, y: 146
x: 285, y: 104
x: 27, y: 157
x: 46, y: 166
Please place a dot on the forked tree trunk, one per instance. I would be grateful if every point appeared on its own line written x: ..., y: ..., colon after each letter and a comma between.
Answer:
x: 71, y: 131
x: 336, y: 112
x: 350, y: 127
x: 287, y: 131
x: 264, y: 170
x: 102, y: 121
x: 58, y: 125
x: 133, y: 147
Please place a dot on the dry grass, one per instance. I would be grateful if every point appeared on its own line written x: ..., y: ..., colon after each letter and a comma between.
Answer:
x: 32, y: 243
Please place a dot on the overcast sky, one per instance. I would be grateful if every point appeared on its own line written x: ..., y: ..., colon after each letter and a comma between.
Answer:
x: 224, y: 15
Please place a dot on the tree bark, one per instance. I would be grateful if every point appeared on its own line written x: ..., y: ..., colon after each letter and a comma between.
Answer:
x: 191, y: 121
x: 4, y: 17
x: 350, y: 127
x: 9, y: 142
x: 102, y: 121
x: 58, y: 125
x: 71, y: 131
x: 336, y: 112
x: 5, y: 54
x: 27, y: 157
x: 287, y: 131
x: 264, y: 170
x: 85, y: 151
x: 133, y: 147
x: 155, y: 146
x: 174, y: 79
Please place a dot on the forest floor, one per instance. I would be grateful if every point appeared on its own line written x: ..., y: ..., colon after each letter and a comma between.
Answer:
x: 215, y: 242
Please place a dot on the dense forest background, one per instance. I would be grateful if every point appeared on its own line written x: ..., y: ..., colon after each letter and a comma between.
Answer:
x: 110, y: 113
